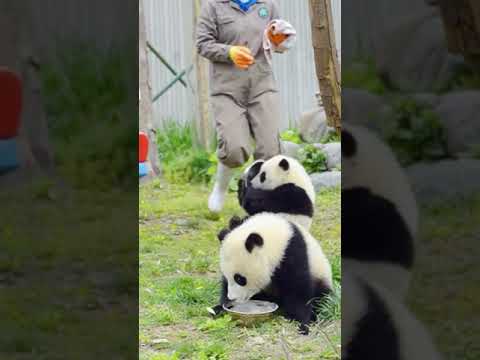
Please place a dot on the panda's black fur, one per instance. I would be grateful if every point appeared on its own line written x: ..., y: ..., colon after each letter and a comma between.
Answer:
x: 287, y: 199
x: 291, y: 284
x: 376, y: 336
x: 379, y: 220
x: 379, y: 213
x: 376, y: 325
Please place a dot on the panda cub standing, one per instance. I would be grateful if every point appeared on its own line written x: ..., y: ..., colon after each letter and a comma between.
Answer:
x: 265, y: 257
x: 379, y: 212
x: 279, y: 185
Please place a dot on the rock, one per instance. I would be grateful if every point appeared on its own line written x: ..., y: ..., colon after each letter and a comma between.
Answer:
x: 458, y: 113
x: 327, y: 179
x: 290, y: 149
x: 427, y: 99
x: 359, y: 107
x: 312, y: 125
x: 445, y: 180
x: 333, y: 152
x: 413, y: 53
x: 368, y: 22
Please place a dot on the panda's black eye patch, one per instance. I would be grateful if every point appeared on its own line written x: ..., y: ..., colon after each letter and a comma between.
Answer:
x: 263, y: 177
x: 349, y: 145
x: 240, y: 280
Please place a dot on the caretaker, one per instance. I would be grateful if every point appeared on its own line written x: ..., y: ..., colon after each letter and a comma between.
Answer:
x: 244, y: 97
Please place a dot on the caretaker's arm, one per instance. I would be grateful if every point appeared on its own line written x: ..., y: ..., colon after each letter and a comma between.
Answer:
x: 207, y: 36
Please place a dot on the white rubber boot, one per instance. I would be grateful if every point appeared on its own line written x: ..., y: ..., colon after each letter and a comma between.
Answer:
x: 217, y: 197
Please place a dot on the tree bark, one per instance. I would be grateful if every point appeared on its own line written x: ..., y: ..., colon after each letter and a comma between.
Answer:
x: 326, y: 59
x: 462, y: 23
x: 145, y: 93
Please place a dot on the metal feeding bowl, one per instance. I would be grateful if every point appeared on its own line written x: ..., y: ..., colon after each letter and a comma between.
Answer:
x: 250, y: 312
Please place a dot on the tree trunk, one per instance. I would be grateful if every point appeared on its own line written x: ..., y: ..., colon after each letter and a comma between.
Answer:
x: 326, y: 59
x: 145, y: 94
x: 201, y: 102
x: 462, y: 23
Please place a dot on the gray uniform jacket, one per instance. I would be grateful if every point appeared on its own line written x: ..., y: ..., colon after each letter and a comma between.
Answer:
x: 223, y: 24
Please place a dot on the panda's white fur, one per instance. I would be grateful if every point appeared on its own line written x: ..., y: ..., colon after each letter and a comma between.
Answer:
x: 374, y: 166
x: 361, y: 315
x: 259, y: 265
x: 276, y: 177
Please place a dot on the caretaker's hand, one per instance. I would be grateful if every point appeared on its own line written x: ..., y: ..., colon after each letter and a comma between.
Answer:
x: 241, y: 56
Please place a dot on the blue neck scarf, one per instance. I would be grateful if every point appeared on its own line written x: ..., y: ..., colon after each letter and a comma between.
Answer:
x: 245, y: 4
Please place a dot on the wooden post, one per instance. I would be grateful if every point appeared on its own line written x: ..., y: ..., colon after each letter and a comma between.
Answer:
x: 462, y: 24
x: 326, y: 59
x: 145, y: 94
x: 201, y: 102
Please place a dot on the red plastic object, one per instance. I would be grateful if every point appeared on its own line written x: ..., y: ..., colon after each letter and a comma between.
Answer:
x: 10, y: 103
x: 142, y: 147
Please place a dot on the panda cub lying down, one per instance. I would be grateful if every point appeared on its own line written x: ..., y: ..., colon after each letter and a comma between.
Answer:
x: 279, y: 185
x: 265, y: 257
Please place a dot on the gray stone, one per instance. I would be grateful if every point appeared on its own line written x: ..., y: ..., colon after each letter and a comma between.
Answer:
x: 290, y: 149
x: 458, y: 113
x: 327, y: 179
x: 404, y: 59
x: 312, y: 125
x: 445, y: 180
x: 333, y: 152
x: 360, y: 107
x: 368, y: 21
x: 427, y: 99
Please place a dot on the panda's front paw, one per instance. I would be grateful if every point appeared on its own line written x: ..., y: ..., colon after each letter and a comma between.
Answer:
x: 303, y: 329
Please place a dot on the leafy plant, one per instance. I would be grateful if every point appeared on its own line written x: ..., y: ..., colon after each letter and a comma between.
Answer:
x: 418, y: 135
x: 363, y: 75
x: 331, y: 137
x: 313, y: 159
x: 291, y: 135
x: 475, y: 151
x: 174, y: 139
x: 181, y: 161
x: 90, y: 118
x: 330, y: 307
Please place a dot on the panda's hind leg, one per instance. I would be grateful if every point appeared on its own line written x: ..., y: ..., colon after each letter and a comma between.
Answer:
x: 298, y: 310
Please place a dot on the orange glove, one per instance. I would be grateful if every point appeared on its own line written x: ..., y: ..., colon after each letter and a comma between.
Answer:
x: 276, y: 39
x: 241, y: 56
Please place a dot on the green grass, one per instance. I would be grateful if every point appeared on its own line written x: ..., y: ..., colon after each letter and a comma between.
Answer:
x: 63, y: 276
x: 445, y: 292
x: 179, y: 280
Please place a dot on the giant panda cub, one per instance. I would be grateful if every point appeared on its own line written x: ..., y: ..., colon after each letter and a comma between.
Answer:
x: 379, y: 212
x: 279, y: 185
x: 265, y: 257
x: 377, y: 326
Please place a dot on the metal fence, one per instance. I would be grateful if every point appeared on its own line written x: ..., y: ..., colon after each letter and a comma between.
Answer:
x: 170, y: 29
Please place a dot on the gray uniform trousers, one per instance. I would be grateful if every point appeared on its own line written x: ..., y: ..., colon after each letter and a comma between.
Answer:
x: 245, y: 103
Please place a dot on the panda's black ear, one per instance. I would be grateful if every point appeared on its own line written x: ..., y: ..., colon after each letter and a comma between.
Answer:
x: 222, y: 234
x: 284, y: 164
x: 349, y: 145
x: 235, y: 222
x: 253, y: 240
